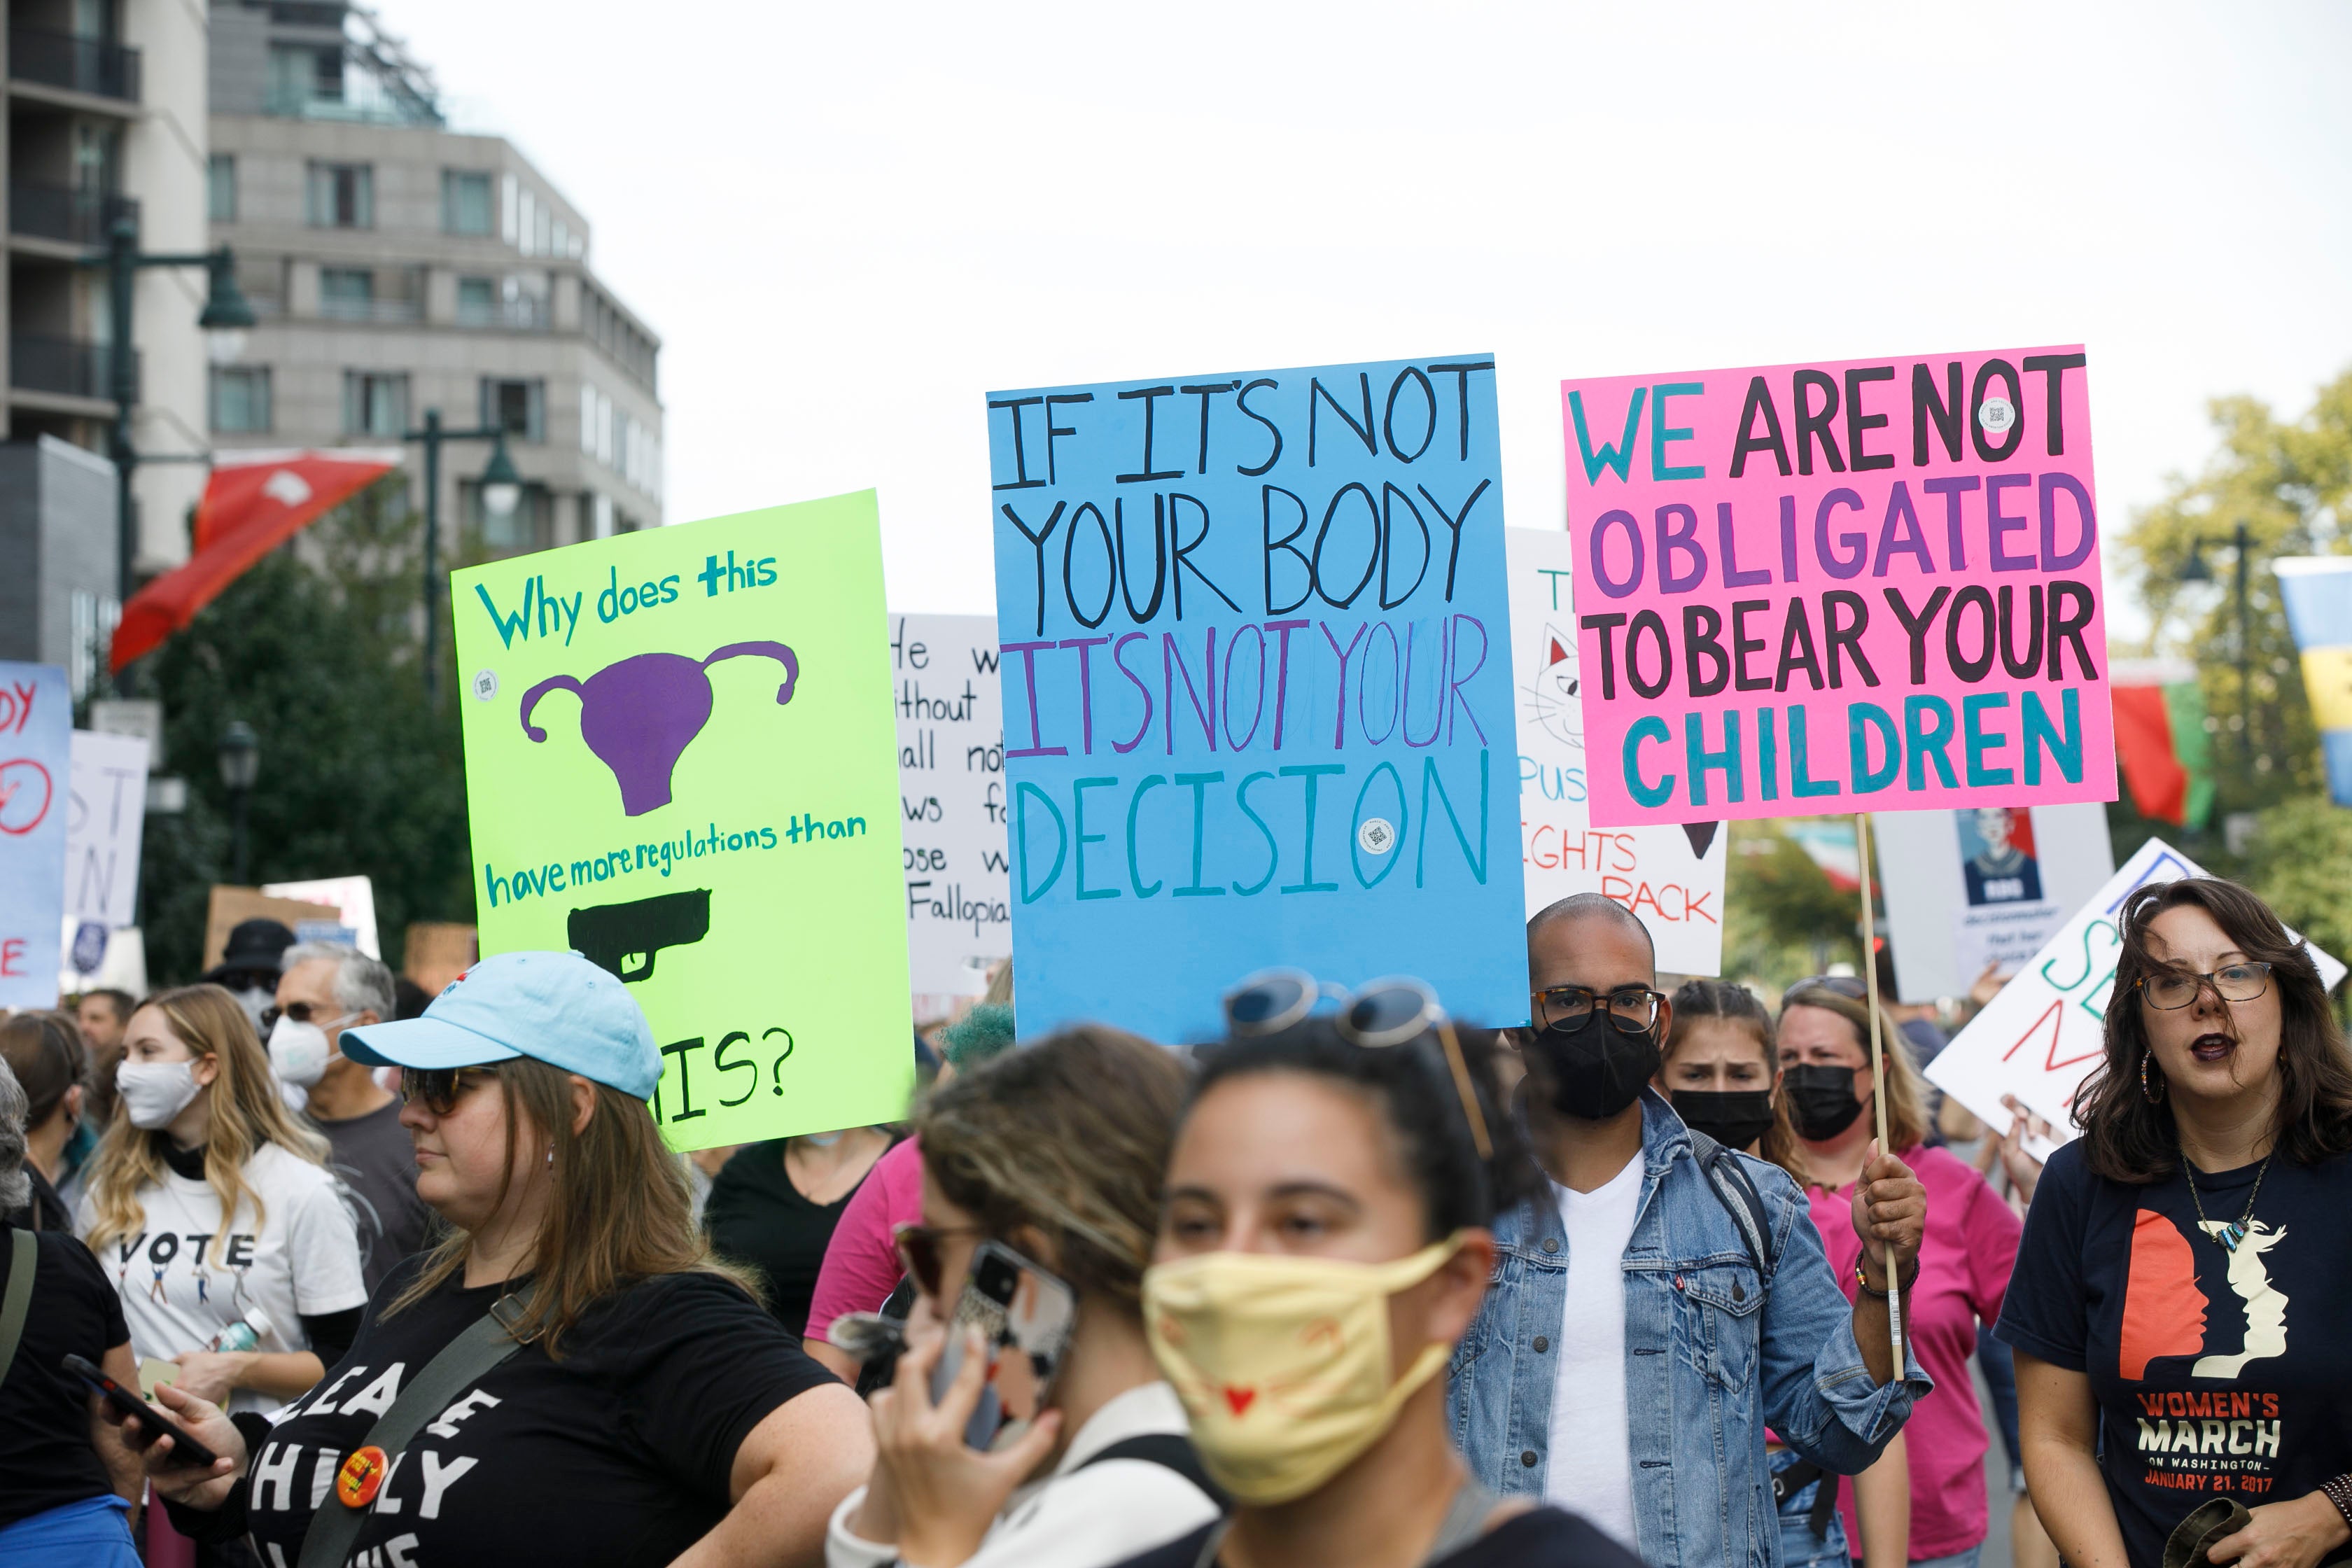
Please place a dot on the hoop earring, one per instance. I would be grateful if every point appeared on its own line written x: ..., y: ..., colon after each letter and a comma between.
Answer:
x: 2153, y: 1095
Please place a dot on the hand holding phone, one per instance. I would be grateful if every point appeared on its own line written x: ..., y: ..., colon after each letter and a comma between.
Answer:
x: 184, y: 1451
x: 1024, y: 1316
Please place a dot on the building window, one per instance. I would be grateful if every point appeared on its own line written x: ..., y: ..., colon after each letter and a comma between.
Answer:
x: 478, y: 301
x: 374, y: 404
x: 346, y: 292
x: 220, y: 188
x: 591, y: 416
x: 465, y: 202
x: 343, y: 196
x: 516, y: 407
x: 240, y: 398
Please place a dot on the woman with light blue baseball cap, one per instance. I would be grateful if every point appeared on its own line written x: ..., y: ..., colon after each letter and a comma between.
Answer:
x: 567, y: 1377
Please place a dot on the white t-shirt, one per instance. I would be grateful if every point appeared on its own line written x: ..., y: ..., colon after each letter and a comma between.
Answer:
x: 1592, y: 1467
x: 178, y: 1292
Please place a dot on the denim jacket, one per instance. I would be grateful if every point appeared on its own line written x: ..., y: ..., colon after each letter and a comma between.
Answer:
x: 1712, y: 1359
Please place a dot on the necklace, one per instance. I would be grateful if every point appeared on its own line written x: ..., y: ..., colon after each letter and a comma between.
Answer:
x: 2228, y: 1236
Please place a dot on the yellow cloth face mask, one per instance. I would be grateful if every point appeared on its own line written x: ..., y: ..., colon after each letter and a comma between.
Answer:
x: 1283, y: 1362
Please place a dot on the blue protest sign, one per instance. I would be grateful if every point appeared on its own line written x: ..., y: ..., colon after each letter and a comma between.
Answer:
x: 36, y: 777
x: 1257, y: 671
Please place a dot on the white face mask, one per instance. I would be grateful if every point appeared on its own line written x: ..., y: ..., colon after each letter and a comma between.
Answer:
x: 299, y: 1052
x: 153, y: 1093
x: 256, y: 1000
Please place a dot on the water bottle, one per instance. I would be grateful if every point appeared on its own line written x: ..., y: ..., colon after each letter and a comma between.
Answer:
x: 243, y: 1334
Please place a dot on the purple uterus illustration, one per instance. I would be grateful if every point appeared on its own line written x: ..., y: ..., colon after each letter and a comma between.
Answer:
x: 638, y: 716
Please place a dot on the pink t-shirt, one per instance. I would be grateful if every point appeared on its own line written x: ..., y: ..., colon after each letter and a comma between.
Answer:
x: 861, y: 1262
x: 1964, y: 1267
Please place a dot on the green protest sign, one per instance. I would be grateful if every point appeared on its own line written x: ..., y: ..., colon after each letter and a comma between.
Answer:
x: 680, y: 760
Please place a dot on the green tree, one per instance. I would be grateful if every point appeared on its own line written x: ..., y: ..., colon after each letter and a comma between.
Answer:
x: 316, y: 647
x: 1783, y: 918
x: 2291, y: 484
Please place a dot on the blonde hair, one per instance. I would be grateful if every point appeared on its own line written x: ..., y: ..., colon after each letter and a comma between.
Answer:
x: 247, y: 1114
x: 620, y: 1210
x: 1899, y: 1085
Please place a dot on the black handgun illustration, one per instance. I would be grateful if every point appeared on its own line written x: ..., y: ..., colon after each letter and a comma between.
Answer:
x: 609, y: 935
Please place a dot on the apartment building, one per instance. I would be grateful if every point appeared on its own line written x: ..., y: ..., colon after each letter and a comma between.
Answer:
x: 106, y: 119
x: 399, y: 265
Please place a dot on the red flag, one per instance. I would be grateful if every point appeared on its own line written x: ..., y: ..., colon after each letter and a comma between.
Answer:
x: 255, y: 502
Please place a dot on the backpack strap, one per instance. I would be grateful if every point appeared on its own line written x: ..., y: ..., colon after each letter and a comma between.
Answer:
x: 24, y: 1257
x: 485, y: 1343
x: 1735, y: 1190
x: 1169, y: 1450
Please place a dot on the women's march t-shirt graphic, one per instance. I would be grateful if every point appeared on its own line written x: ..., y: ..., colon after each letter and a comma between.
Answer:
x: 2215, y: 1367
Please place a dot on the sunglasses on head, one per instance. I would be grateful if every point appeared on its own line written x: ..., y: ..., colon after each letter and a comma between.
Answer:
x: 1392, y: 1012
x: 440, y: 1089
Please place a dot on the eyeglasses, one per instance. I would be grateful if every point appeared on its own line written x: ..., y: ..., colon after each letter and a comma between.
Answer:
x: 1394, y: 1010
x: 2231, y: 982
x: 439, y: 1087
x: 1846, y: 985
x: 1631, y: 1008
x: 918, y: 1252
x: 299, y: 1012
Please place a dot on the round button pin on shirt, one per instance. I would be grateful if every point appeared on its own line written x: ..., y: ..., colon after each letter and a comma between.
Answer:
x: 361, y: 1477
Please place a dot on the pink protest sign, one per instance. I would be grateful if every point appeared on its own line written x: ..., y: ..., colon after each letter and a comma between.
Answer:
x: 1868, y: 585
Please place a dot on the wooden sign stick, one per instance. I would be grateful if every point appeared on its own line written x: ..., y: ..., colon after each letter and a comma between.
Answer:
x: 1878, y: 1078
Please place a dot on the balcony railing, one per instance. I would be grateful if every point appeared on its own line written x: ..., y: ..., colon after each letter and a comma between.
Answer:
x: 527, y: 314
x: 64, y: 213
x: 71, y: 367
x: 78, y: 65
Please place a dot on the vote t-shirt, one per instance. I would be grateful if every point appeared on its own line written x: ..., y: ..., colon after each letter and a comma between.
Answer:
x: 620, y: 1453
x: 2218, y: 1373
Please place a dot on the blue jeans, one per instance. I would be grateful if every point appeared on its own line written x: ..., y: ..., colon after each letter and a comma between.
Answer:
x: 94, y: 1533
x: 1800, y: 1547
x: 1957, y: 1560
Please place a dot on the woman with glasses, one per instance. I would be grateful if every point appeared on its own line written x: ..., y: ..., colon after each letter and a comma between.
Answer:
x: 1053, y: 1151
x: 565, y: 1377
x: 1926, y: 1503
x: 1324, y: 1246
x: 2178, y: 1307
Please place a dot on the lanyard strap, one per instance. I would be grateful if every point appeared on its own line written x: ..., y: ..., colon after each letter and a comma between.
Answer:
x: 485, y: 1343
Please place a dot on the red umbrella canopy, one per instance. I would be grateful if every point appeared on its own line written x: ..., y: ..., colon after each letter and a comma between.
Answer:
x: 255, y: 502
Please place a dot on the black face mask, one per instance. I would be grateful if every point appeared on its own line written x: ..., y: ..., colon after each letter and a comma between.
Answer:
x: 1598, y: 1068
x: 1820, y: 1098
x: 1733, y: 1118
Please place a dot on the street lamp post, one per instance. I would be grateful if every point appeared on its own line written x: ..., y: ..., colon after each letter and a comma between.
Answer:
x: 2195, y: 570
x: 240, y: 764
x: 501, y: 493
x: 224, y: 319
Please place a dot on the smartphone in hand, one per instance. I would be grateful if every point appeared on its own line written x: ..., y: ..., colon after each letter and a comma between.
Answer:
x: 1025, y: 1316
x: 152, y: 1422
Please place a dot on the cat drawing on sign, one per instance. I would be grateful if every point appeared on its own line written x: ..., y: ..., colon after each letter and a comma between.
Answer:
x: 1552, y: 698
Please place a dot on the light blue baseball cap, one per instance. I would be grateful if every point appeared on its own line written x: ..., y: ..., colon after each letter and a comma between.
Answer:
x: 554, y: 1007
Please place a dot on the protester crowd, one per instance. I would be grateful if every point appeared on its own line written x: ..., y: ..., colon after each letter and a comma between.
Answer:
x: 1355, y: 1284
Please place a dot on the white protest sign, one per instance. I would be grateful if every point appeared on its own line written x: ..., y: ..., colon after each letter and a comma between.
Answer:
x: 105, y: 811
x: 1671, y: 877
x: 2045, y: 1033
x: 951, y: 800
x: 352, y: 898
x: 1983, y: 886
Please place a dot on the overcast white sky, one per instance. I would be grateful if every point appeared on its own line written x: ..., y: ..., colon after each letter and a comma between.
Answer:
x: 850, y: 222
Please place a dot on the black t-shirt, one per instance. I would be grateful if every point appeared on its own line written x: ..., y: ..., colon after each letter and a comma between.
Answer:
x: 46, y: 1459
x: 2216, y: 1374
x: 757, y: 1219
x: 375, y: 1161
x: 619, y: 1454
x: 1539, y: 1538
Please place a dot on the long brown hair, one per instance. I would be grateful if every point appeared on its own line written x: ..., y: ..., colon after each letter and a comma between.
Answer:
x: 1071, y: 1136
x: 1734, y: 1004
x: 46, y: 1051
x: 1899, y: 1085
x: 619, y: 1209
x: 247, y: 1114
x: 2126, y: 1138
